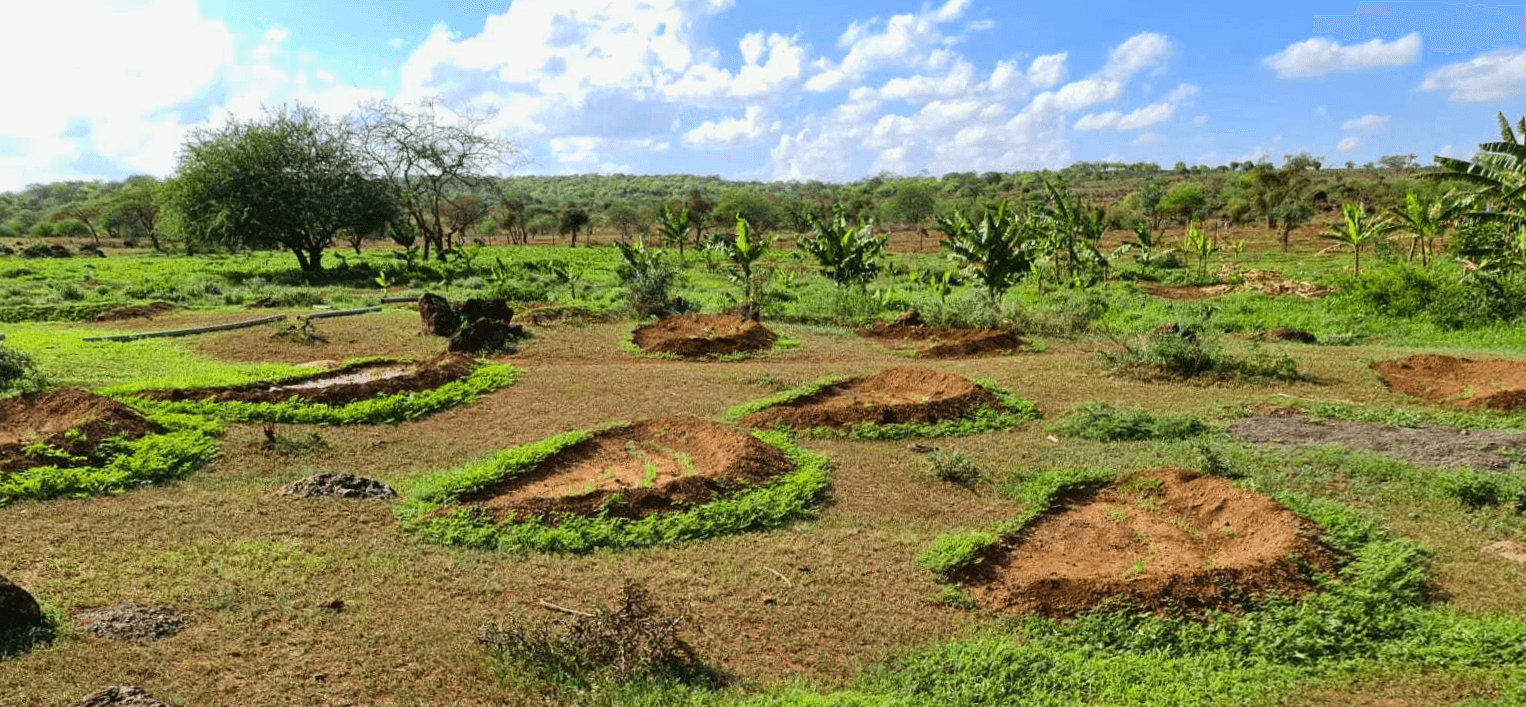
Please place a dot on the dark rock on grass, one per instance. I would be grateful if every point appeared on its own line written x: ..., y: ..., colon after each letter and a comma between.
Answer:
x: 18, y: 610
x: 1297, y: 336
x: 120, y: 696
x: 129, y: 622
x: 336, y: 485
x: 437, y: 316
x: 495, y: 309
x: 485, y: 336
x: 1427, y: 446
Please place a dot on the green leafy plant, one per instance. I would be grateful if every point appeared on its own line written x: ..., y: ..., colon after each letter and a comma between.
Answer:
x: 186, y: 445
x: 992, y: 252
x: 1201, y: 246
x: 1104, y: 422
x: 18, y: 373
x: 953, y: 468
x: 673, y: 227
x: 649, y: 280
x: 847, y: 253
x: 743, y: 251
x: 1356, y: 230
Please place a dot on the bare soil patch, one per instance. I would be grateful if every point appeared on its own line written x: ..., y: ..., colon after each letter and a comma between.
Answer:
x: 1489, y: 384
x: 1162, y: 540
x: 70, y: 420
x: 136, y: 311
x: 941, y: 342
x: 701, y: 335
x: 653, y: 466
x: 1187, y: 292
x: 129, y: 622
x: 892, y: 396
x: 338, y: 485
x: 340, y: 386
x: 1428, y: 446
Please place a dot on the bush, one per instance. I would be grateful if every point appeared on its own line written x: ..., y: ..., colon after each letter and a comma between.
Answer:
x: 1407, y: 291
x: 635, y: 642
x: 649, y: 279
x: 18, y: 373
x: 954, y: 468
x: 1180, y: 352
x: 1102, y: 422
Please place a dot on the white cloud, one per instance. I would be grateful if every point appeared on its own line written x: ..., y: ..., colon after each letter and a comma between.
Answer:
x: 1493, y: 76
x: 1445, y: 151
x: 1319, y: 56
x: 1200, y: 120
x: 1047, y: 70
x: 732, y: 132
x: 1140, y: 52
x: 1348, y: 144
x: 1147, y: 139
x: 1097, y: 121
x: 1366, y: 122
x: 395, y: 42
x: 902, y: 40
x: 1139, y: 118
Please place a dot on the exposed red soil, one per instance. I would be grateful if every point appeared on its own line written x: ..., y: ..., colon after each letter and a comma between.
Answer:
x: 701, y: 335
x: 136, y: 311
x: 1187, y: 292
x: 340, y: 386
x: 1193, y: 542
x: 942, y: 342
x: 1492, y: 384
x: 653, y: 466
x: 72, y: 420
x: 894, y: 395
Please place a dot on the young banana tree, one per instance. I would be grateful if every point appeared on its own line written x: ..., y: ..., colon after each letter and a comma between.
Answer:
x: 1425, y: 220
x: 1200, y: 245
x: 1356, y: 230
x: 743, y: 252
x: 674, y: 227
x: 848, y: 254
x: 994, y: 251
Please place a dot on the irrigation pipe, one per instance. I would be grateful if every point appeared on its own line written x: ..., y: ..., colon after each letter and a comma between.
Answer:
x: 340, y: 313
x: 189, y: 332
x: 399, y: 300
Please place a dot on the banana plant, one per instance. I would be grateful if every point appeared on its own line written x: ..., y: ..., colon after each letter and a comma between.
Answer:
x: 995, y: 251
x: 744, y: 251
x: 848, y: 254
x: 1201, y: 246
x: 674, y: 227
x: 1425, y: 220
x: 1356, y: 229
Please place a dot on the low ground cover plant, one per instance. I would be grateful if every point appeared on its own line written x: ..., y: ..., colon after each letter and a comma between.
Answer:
x: 1101, y: 421
x: 1181, y: 352
x: 187, y: 444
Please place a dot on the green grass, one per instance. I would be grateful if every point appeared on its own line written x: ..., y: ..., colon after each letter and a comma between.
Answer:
x: 1104, y: 422
x: 186, y: 445
x: 785, y: 499
x: 65, y: 359
x: 398, y: 407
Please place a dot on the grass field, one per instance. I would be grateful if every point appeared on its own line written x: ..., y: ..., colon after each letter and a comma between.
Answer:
x: 832, y: 609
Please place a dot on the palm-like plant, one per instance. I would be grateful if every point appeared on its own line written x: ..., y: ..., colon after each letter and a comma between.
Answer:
x: 1497, y: 177
x: 994, y: 251
x: 674, y: 227
x: 744, y: 251
x: 1355, y: 230
x: 1200, y: 245
x: 1424, y: 219
x: 847, y: 253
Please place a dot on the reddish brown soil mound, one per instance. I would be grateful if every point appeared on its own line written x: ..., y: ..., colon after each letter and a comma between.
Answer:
x: 1493, y: 385
x: 73, y: 421
x: 653, y: 466
x: 894, y: 395
x: 701, y: 335
x: 136, y: 311
x: 1161, y: 539
x: 942, y: 342
x: 340, y: 386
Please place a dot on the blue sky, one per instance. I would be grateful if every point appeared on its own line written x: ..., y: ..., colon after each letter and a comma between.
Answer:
x: 789, y: 89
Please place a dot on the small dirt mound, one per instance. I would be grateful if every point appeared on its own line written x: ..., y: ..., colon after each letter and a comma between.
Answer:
x: 1162, y: 540
x: 18, y: 610
x: 1427, y: 446
x: 1491, y: 384
x: 941, y: 342
x: 129, y: 622
x: 338, y: 485
x: 637, y: 470
x: 71, y: 422
x: 701, y: 335
x: 340, y: 386
x: 892, y: 396
x: 136, y: 311
x: 1297, y: 336
x: 120, y: 696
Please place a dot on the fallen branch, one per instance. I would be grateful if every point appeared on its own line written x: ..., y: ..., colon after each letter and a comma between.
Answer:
x: 189, y: 332
x: 563, y: 609
x: 787, y: 583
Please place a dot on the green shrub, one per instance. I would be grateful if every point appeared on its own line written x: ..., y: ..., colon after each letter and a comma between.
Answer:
x: 953, y: 468
x: 1478, y: 489
x: 186, y: 446
x: 1185, y: 352
x: 18, y: 373
x: 1102, y: 422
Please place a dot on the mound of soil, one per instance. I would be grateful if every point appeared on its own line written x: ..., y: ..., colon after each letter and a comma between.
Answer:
x: 1492, y: 384
x: 18, y: 610
x: 701, y: 335
x: 340, y: 386
x: 941, y: 342
x: 894, y: 395
x: 135, y: 311
x: 119, y: 696
x: 129, y: 622
x: 1166, y: 539
x: 653, y: 467
x: 1428, y: 446
x: 73, y: 421
x: 338, y: 485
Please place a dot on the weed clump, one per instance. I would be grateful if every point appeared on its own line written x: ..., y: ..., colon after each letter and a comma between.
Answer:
x: 1181, y: 352
x: 637, y: 642
x: 18, y: 374
x: 953, y: 468
x: 1103, y: 422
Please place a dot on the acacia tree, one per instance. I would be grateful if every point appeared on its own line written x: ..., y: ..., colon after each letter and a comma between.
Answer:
x: 429, y: 156
x: 136, y: 207
x: 291, y: 179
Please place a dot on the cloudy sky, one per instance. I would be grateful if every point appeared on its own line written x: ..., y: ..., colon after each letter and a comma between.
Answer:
x: 784, y: 89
